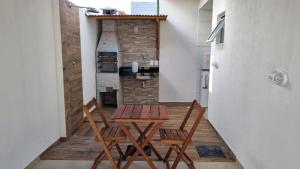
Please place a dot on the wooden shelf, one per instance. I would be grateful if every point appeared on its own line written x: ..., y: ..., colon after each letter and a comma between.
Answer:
x: 127, y: 17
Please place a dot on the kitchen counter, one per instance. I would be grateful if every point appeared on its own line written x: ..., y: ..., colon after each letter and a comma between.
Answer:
x: 126, y: 70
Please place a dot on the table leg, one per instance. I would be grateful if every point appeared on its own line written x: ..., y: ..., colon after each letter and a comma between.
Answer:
x: 140, y: 138
x: 140, y: 147
x: 143, y: 134
x: 137, y: 146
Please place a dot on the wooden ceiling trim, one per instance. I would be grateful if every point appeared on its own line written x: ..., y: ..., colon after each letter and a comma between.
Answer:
x: 127, y: 17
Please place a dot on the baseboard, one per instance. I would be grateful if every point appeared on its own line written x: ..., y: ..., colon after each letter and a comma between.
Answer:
x: 239, y: 163
x: 224, y: 142
x: 61, y: 139
x: 187, y: 104
x: 36, y: 160
x: 206, y: 113
x: 33, y: 163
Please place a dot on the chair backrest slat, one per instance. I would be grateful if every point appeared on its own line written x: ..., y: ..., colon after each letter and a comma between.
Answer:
x: 187, y: 116
x: 92, y: 106
x: 200, y: 112
x: 92, y: 122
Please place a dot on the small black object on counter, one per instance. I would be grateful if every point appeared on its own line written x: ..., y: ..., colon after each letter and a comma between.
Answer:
x: 127, y: 70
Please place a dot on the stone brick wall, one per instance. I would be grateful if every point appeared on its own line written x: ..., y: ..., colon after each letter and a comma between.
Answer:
x: 140, y: 47
x: 133, y: 92
x: 136, y: 45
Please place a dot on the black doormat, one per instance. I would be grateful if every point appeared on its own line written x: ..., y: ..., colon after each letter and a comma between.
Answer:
x: 147, y: 151
x: 212, y: 151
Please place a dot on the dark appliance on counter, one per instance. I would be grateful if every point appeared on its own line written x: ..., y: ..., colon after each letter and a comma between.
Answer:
x: 107, y: 62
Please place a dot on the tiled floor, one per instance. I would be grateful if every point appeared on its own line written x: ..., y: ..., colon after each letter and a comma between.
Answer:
x: 64, y: 164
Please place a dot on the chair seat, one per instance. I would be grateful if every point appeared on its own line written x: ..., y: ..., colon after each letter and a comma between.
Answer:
x: 112, y: 133
x: 173, y: 136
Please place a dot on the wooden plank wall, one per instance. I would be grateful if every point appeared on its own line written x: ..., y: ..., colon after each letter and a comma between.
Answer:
x: 71, y: 53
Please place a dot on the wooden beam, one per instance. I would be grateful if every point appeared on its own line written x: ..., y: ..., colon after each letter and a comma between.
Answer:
x: 157, y: 39
x: 128, y: 17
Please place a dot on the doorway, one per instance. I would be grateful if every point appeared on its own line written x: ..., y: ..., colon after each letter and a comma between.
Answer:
x: 204, y: 23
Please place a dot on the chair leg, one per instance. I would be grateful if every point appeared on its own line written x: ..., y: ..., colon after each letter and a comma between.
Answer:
x: 121, y: 155
x: 119, y: 162
x: 188, y: 161
x: 98, y: 160
x: 119, y: 150
x: 174, y: 165
x: 155, y: 151
x: 166, y: 159
x: 167, y: 164
x: 168, y: 154
x: 112, y: 161
x: 188, y: 158
x: 102, y: 155
x: 193, y: 166
x: 107, y: 151
x: 181, y: 155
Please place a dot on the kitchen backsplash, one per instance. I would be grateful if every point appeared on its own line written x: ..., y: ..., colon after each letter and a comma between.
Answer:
x: 138, y: 43
x: 133, y: 92
x: 137, y: 46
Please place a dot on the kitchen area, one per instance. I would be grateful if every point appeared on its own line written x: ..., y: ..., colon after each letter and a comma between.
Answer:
x: 126, y: 61
x: 137, y: 58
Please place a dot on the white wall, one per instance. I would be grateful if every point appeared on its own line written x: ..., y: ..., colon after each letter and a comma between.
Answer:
x: 180, y: 57
x: 259, y: 120
x: 29, y: 98
x: 88, y: 40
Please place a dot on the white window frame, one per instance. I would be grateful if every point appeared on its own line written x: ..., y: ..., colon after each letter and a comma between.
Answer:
x: 219, y: 31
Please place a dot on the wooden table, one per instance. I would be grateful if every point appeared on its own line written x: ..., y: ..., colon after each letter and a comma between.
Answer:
x: 153, y: 115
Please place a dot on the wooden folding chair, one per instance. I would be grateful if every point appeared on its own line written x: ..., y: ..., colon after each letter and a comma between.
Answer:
x: 179, y: 139
x: 107, y: 137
